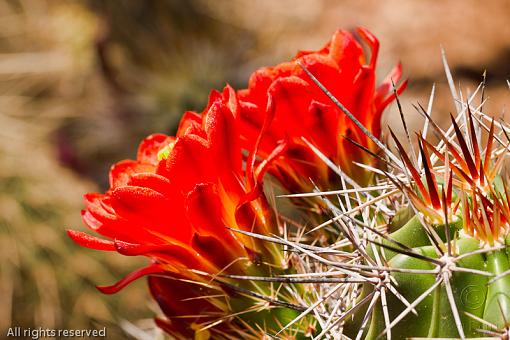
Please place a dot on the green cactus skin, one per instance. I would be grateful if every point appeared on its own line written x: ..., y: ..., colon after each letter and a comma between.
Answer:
x: 435, y: 318
x: 274, y: 318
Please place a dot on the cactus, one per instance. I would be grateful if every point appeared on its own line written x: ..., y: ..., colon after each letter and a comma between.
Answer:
x: 413, y: 244
x: 437, y: 265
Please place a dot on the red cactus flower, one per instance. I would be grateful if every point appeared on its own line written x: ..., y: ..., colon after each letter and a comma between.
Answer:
x: 173, y: 204
x: 282, y: 107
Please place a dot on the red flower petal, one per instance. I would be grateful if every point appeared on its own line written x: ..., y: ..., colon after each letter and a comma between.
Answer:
x: 102, y: 218
x: 89, y: 241
x: 216, y: 251
x: 173, y: 297
x: 98, y: 217
x: 231, y: 101
x: 205, y: 212
x: 149, y: 270
x: 190, y: 162
x: 153, y: 181
x: 222, y: 134
x: 150, y: 211
x: 189, y: 119
x: 171, y: 251
x: 121, y: 172
x: 150, y: 146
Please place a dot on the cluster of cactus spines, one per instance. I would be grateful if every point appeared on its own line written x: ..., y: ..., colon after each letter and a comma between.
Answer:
x: 422, y: 251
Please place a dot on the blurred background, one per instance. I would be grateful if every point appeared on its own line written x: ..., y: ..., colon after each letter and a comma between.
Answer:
x: 81, y: 82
